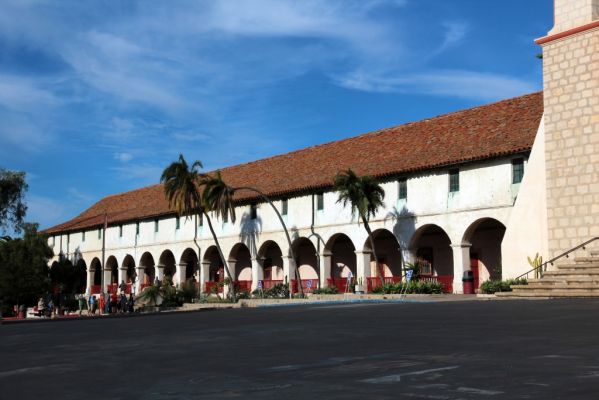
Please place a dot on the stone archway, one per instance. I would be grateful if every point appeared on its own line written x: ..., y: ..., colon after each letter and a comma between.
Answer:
x: 343, y: 255
x: 168, y: 264
x: 215, y: 270
x: 189, y: 261
x: 388, y: 252
x: 485, y: 236
x: 95, y: 269
x: 270, y: 257
x: 307, y: 264
x: 430, y: 248
x: 148, y: 268
x: 240, y: 262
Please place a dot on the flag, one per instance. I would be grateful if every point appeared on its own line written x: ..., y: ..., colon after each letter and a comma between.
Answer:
x: 349, y: 276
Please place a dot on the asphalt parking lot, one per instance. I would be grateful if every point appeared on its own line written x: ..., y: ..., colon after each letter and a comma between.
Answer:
x: 447, y: 350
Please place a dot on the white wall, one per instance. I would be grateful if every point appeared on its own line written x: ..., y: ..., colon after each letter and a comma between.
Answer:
x: 485, y: 192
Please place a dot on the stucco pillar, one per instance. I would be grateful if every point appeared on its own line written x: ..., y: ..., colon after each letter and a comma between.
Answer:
x: 204, y: 275
x: 107, y: 277
x: 288, y: 269
x: 362, y: 266
x: 122, y: 275
x: 160, y: 272
x: 325, y: 268
x: 227, y: 288
x: 257, y: 272
x: 461, y: 263
x: 180, y: 274
x: 141, y: 273
x: 90, y: 281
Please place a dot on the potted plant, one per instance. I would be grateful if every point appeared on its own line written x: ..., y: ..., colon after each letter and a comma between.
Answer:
x: 359, y: 287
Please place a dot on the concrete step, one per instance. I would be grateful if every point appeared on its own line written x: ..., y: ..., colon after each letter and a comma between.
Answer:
x: 555, y: 293
x: 566, y: 278
x: 557, y: 286
x: 545, y: 295
x: 572, y: 271
x: 587, y: 259
x: 576, y: 265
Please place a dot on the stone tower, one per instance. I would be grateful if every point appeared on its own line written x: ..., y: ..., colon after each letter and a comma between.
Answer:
x: 571, y: 100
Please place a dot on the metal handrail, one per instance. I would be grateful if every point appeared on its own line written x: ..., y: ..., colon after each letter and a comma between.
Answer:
x: 543, y: 267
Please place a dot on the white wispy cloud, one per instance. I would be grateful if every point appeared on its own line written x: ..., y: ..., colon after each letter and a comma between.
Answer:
x: 123, y: 156
x: 450, y: 83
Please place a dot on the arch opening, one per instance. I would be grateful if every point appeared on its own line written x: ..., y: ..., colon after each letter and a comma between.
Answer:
x: 485, y: 236
x: 431, y: 250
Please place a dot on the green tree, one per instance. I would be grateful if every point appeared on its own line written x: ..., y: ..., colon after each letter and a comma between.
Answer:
x: 365, y: 196
x: 68, y: 278
x: 12, y: 200
x: 24, y: 269
x: 181, y: 188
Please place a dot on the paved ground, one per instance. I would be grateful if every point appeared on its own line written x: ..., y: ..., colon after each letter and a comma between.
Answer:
x: 453, y: 350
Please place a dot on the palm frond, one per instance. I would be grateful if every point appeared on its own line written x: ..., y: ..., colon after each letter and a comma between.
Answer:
x: 217, y: 196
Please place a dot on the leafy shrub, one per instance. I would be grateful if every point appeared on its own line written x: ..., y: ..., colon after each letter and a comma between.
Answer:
x: 188, y: 292
x: 242, y: 294
x: 326, y: 290
x: 278, y: 291
x: 494, y: 286
x: 413, y: 287
x: 171, y: 297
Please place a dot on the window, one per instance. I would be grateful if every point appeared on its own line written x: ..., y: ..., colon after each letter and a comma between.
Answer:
x: 517, y: 170
x: 320, y: 201
x: 403, y: 189
x: 253, y: 211
x: 201, y: 223
x: 53, y: 241
x: 155, y: 225
x: 284, y: 206
x: 68, y: 238
x: 83, y: 236
x: 454, y: 180
x: 137, y: 228
x: 100, y: 233
x: 178, y: 223
x: 226, y: 217
x: 120, y: 230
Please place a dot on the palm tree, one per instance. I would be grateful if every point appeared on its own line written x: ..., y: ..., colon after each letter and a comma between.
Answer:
x: 365, y: 196
x: 181, y: 189
x: 219, y: 196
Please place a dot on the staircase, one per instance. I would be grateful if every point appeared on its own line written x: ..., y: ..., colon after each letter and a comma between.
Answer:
x: 577, y: 279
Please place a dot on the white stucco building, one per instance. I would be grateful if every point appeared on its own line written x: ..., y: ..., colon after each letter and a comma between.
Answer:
x: 470, y: 190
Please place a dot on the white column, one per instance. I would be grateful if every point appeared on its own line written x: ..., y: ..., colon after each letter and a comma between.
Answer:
x: 204, y: 275
x: 325, y: 268
x: 90, y: 281
x: 227, y: 288
x: 288, y: 269
x: 461, y: 263
x: 122, y: 275
x: 107, y: 277
x: 181, y: 270
x: 362, y: 266
x: 257, y: 272
x: 140, y: 278
x: 160, y: 272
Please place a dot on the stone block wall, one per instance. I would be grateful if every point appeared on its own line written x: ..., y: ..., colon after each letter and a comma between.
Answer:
x: 574, y: 13
x: 571, y: 100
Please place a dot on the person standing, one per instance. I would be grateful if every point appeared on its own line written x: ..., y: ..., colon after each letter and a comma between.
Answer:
x: 81, y: 303
x: 102, y: 303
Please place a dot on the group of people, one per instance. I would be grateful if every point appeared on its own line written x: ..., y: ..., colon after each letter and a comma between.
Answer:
x: 107, y: 304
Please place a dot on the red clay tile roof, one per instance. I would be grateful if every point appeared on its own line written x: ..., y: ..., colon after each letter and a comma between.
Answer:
x: 494, y: 130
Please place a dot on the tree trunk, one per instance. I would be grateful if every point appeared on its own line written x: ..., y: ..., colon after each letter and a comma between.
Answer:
x: 297, y: 273
x: 376, y: 259
x: 220, y: 253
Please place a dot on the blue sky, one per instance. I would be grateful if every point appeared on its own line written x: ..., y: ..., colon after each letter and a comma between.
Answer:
x: 98, y: 97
